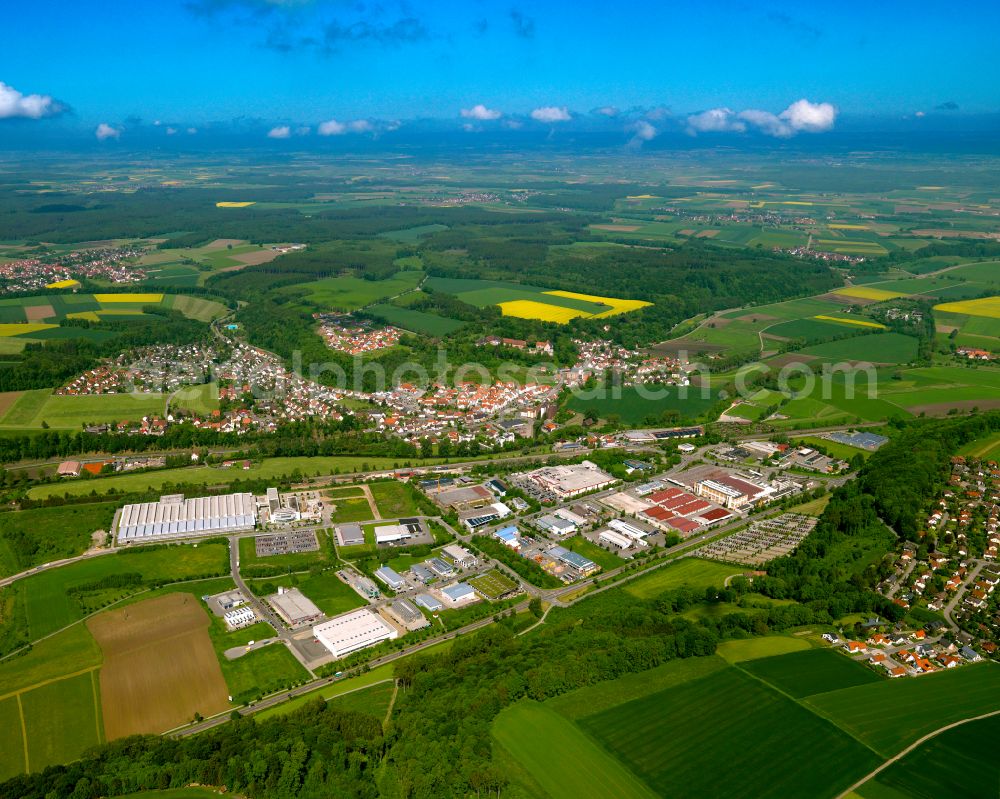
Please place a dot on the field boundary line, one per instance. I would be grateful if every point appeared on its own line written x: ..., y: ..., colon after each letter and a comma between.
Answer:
x: 98, y: 715
x: 24, y: 734
x: 43, y: 683
x: 913, y: 746
x: 808, y: 708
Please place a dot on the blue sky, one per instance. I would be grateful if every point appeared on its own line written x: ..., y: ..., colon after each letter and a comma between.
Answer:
x: 297, y: 63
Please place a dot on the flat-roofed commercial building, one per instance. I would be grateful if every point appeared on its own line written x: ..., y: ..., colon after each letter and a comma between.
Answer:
x: 573, y: 480
x: 356, y: 630
x: 294, y: 607
x: 176, y: 517
x: 617, y: 539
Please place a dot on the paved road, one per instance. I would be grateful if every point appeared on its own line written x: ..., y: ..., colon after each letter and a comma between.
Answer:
x: 969, y: 580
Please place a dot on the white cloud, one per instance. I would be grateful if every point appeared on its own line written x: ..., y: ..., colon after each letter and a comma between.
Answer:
x: 192, y: 131
x: 607, y: 111
x: 810, y: 117
x: 331, y: 128
x: 920, y: 114
x: 715, y: 120
x: 513, y: 124
x: 303, y: 130
x: 801, y: 116
x: 481, y: 112
x: 171, y: 131
x: 359, y: 126
x: 642, y: 132
x: 105, y: 131
x: 280, y: 132
x: 468, y: 127
x: 551, y: 113
x: 13, y: 104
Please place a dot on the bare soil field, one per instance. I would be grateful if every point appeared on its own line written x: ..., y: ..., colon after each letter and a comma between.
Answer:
x: 159, y: 666
x: 942, y: 408
x: 256, y: 257
x: 35, y: 313
x: 221, y: 244
x: 7, y: 400
x: 617, y: 228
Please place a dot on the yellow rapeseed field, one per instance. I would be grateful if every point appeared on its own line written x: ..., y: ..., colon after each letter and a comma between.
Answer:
x: 18, y: 328
x: 865, y: 293
x: 616, y: 306
x: 139, y: 298
x: 529, y: 309
x: 987, y: 306
x: 848, y: 227
x: 63, y: 284
x: 234, y: 204
x: 859, y: 322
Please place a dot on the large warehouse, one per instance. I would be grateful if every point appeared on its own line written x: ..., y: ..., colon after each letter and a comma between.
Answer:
x: 353, y: 631
x: 176, y: 517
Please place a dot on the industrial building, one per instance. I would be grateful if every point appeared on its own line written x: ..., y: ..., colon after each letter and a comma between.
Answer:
x: 176, y: 517
x: 391, y: 534
x: 460, y: 555
x: 732, y: 492
x: 573, y: 480
x: 404, y: 612
x: 630, y: 530
x: 459, y: 594
x: 240, y: 617
x: 440, y: 567
x: 583, y: 565
x: 350, y: 535
x: 617, y: 539
x: 390, y: 577
x: 353, y: 631
x: 428, y: 602
x: 294, y: 608
x: 479, y: 517
x: 554, y: 525
x: 508, y: 536
x: 422, y: 573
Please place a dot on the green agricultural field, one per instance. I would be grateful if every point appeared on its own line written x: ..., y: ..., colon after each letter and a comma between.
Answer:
x: 957, y: 764
x: 11, y: 739
x: 813, y: 330
x: 561, y: 758
x: 888, y: 715
x: 62, y: 719
x: 269, y: 469
x: 198, y: 307
x: 411, y: 235
x: 633, y: 408
x: 595, y: 698
x: 690, y: 572
x: 394, y: 499
x: 72, y: 413
x: 891, y: 348
x: 815, y: 671
x: 330, y: 594
x: 378, y: 675
x: 427, y: 324
x: 352, y: 293
x: 31, y: 537
x: 69, y: 652
x: 729, y: 735
x: 988, y: 448
x: 201, y: 399
x: 772, y: 646
x: 49, y: 605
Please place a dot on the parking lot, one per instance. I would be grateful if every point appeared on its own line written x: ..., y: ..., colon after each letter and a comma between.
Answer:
x: 285, y: 543
x: 762, y: 541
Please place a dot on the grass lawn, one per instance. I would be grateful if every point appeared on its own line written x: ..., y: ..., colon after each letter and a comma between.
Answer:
x: 269, y: 469
x: 350, y: 293
x: 262, y: 671
x: 202, y: 399
x: 374, y: 700
x: 253, y: 566
x: 351, y: 509
x: 988, y: 447
x: 890, y: 714
x: 692, y: 572
x: 427, y: 324
x: 600, y: 556
x: 816, y: 671
x: 31, y: 537
x: 729, y: 735
x: 560, y: 757
x: 331, y: 595
x: 745, y: 649
x: 62, y: 720
x: 394, y: 499
x: 68, y: 652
